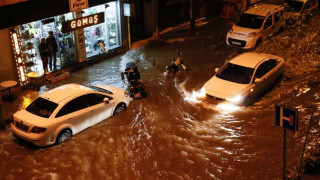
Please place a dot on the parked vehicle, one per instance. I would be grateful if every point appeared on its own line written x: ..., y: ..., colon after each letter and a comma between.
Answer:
x: 62, y: 112
x: 298, y: 10
x: 245, y: 77
x: 255, y: 25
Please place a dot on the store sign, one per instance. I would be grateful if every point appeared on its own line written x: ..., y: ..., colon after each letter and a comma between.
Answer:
x: 19, y: 58
x: 82, y: 22
x: 77, y: 5
x: 128, y: 9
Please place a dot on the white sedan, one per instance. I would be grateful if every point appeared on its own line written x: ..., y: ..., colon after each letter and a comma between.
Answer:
x: 245, y: 77
x: 60, y: 113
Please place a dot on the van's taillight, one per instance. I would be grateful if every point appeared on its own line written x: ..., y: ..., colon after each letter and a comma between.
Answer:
x: 38, y: 130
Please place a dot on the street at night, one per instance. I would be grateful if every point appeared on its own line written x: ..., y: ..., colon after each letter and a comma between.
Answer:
x: 175, y: 132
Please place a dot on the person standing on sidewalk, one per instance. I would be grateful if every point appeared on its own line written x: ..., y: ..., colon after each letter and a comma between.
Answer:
x: 53, y: 48
x: 44, y: 53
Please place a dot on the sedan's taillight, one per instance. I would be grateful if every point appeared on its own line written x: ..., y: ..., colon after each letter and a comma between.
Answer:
x: 38, y: 130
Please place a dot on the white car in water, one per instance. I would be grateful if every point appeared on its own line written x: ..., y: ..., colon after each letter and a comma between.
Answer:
x: 256, y: 24
x: 245, y: 77
x: 58, y: 114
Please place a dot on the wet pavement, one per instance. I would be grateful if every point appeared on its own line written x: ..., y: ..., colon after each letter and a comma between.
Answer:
x: 172, y: 134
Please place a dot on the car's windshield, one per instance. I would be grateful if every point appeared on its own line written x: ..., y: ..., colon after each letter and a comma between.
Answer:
x: 235, y: 73
x: 293, y: 6
x: 95, y: 88
x: 42, y: 107
x: 250, y: 21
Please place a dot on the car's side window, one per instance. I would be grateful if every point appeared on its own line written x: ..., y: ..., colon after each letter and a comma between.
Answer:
x: 307, y: 5
x: 72, y: 106
x: 268, y: 22
x: 94, y: 99
x: 277, y: 16
x: 265, y: 67
x: 282, y: 12
x: 312, y: 3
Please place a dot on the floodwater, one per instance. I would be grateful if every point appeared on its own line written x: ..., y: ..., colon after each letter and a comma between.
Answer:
x: 174, y: 133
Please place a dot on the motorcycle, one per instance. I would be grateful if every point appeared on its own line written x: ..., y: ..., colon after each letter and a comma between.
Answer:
x: 135, y: 85
x: 176, y: 66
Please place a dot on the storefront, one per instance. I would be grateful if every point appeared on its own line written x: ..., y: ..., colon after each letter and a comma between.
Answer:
x: 99, y: 38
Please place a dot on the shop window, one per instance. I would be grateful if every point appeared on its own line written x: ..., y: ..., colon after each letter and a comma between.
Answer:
x: 66, y: 42
x: 105, y: 35
x: 32, y: 32
x: 30, y: 40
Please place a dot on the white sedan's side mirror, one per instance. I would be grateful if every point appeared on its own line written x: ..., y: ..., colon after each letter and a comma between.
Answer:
x: 106, y: 100
x: 257, y: 80
x: 216, y: 69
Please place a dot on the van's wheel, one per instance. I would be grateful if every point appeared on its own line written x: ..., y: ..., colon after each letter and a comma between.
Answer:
x: 63, y: 136
x: 119, y: 108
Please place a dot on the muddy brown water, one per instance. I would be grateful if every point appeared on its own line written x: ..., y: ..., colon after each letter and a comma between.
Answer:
x: 171, y: 134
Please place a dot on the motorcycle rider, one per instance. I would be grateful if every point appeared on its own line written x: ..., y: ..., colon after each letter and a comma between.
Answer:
x: 176, y: 66
x: 135, y: 82
x: 133, y: 75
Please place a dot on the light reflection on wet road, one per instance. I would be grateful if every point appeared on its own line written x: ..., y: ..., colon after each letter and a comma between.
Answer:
x: 175, y: 133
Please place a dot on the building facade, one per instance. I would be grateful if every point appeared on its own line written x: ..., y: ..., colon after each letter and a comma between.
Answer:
x: 80, y: 35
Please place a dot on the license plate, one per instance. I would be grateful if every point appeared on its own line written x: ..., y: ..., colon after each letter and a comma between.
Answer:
x: 22, y: 126
x: 236, y: 43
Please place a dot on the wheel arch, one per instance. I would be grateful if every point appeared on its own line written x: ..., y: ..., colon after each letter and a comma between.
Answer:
x: 121, y: 103
x: 60, y: 129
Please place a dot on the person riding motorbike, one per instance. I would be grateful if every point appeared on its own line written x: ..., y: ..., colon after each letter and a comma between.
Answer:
x: 176, y: 66
x: 135, y: 82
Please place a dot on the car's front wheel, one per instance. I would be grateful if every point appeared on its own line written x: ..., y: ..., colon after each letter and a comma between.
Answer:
x: 248, y: 101
x: 63, y: 136
x: 119, y: 108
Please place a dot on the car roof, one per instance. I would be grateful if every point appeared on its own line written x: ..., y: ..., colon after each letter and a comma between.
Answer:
x: 62, y: 92
x: 261, y: 9
x: 249, y: 59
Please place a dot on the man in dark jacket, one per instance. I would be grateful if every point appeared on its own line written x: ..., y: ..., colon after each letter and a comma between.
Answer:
x: 44, y: 53
x: 52, y: 43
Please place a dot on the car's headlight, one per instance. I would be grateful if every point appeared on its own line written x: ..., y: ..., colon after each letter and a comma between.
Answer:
x: 230, y: 31
x: 252, y: 34
x: 235, y: 99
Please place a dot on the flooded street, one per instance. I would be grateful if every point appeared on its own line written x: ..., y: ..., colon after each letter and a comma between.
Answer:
x: 175, y: 133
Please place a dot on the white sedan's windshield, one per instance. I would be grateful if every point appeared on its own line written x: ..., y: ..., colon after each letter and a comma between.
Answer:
x: 235, y: 73
x: 250, y: 21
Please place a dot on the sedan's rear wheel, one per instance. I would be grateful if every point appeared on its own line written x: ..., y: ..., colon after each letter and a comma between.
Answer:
x: 63, y: 136
x: 119, y: 108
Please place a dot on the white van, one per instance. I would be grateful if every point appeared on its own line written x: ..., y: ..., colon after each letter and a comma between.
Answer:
x: 256, y: 24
